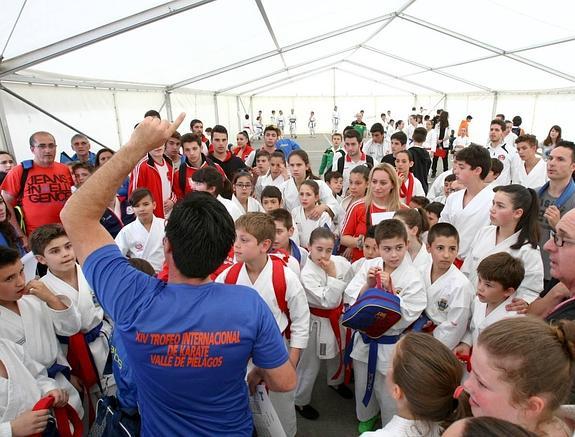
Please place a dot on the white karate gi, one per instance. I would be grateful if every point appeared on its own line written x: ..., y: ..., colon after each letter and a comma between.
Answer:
x: 436, y: 188
x: 485, y: 245
x: 135, y: 241
x: 26, y: 384
x: 479, y: 321
x: 323, y: 292
x: 469, y: 220
x: 506, y: 154
x: 91, y: 314
x: 430, y: 142
x: 35, y: 329
x: 305, y: 225
x: 232, y: 209
x: 422, y: 260
x: 376, y: 150
x: 417, y: 188
x: 408, y: 284
x: 284, y: 403
x: 290, y: 195
x: 264, y: 181
x: 449, y: 301
x: 536, y: 178
x: 253, y: 205
x: 400, y: 427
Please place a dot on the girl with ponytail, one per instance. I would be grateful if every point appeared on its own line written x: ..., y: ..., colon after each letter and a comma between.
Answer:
x: 422, y: 378
x: 522, y: 371
x: 514, y: 229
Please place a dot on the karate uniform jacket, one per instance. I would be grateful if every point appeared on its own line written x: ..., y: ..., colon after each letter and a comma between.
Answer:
x: 485, y: 245
x: 325, y: 292
x: 135, y: 241
x: 449, y: 301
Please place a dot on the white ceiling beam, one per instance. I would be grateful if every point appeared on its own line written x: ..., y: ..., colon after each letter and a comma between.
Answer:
x: 270, y: 29
x: 283, y: 70
x: 275, y: 52
x: 407, y: 4
x: 101, y: 33
x: 284, y: 79
x: 310, y: 73
x: 374, y: 80
x: 485, y: 46
x: 79, y: 83
x: 384, y: 73
x: 428, y: 68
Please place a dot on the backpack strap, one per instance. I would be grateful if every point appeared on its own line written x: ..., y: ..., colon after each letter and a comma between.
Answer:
x: 280, y: 289
x: 26, y: 166
x: 565, y: 195
x: 182, y: 175
x: 233, y: 273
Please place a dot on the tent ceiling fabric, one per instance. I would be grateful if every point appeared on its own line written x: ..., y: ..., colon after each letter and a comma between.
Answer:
x: 249, y: 47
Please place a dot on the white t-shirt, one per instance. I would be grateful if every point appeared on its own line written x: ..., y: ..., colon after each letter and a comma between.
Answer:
x: 166, y: 183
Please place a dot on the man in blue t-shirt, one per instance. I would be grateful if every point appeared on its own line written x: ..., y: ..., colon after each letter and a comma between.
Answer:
x: 188, y: 340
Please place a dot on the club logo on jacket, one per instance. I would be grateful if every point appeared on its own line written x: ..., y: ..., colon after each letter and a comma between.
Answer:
x: 139, y: 247
x: 501, y: 157
x: 442, y: 304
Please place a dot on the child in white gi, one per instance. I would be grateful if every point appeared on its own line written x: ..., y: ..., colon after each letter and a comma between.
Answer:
x: 324, y: 278
x: 23, y: 382
x: 449, y: 292
x: 415, y: 221
x: 144, y: 237
x: 32, y: 316
x: 515, y: 230
x: 499, y: 277
x: 53, y: 249
x: 370, y: 250
x: 398, y: 275
x: 303, y: 214
x: 255, y: 232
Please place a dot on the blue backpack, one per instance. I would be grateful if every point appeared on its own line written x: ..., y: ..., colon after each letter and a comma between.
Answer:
x: 372, y: 315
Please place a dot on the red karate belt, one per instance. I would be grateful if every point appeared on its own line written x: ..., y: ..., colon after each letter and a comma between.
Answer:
x: 333, y: 315
x: 64, y: 417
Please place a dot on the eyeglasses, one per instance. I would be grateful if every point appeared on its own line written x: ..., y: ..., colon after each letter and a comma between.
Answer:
x: 559, y: 240
x: 244, y: 186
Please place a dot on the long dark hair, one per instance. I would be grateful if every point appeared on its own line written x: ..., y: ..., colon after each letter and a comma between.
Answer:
x: 528, y: 225
x: 302, y: 154
x: 8, y: 230
x: 547, y: 141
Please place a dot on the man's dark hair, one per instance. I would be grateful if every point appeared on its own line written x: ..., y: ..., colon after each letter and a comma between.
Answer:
x: 200, y: 232
x: 271, y: 192
x: 419, y: 135
x: 138, y: 194
x: 399, y: 136
x: 376, y: 127
x: 328, y: 176
x: 219, y: 129
x: 152, y: 113
x: 435, y: 208
x: 195, y: 121
x: 469, y: 118
x: 568, y: 145
x: 32, y: 139
x: 8, y: 256
x: 499, y: 123
x: 441, y: 230
x: 211, y: 177
x: 475, y: 156
x: 496, y: 166
x: 352, y: 133
x: 191, y: 138
x: 271, y: 127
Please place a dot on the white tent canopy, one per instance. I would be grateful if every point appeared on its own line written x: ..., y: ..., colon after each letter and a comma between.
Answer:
x: 98, y: 69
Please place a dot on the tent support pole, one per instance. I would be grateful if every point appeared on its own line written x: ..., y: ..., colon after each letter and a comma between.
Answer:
x: 53, y: 117
x: 216, y: 111
x: 4, y: 131
x: 494, y: 109
x: 239, y: 113
x: 168, y: 103
x: 117, y: 117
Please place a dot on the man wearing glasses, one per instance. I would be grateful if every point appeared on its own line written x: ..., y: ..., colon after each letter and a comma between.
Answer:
x: 556, y: 197
x: 40, y: 186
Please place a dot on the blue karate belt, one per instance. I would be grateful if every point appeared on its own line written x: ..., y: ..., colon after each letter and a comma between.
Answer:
x: 90, y: 336
x: 56, y: 368
x: 371, y: 361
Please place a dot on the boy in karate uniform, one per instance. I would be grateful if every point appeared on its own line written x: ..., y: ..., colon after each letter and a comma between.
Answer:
x: 255, y: 233
x: 399, y: 276
x: 23, y: 382
x: 32, y: 316
x: 143, y: 238
x: 284, y: 242
x: 449, y: 292
x: 468, y: 210
x: 499, y: 277
x: 53, y: 249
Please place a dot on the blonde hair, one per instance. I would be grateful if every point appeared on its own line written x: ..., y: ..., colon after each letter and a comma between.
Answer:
x: 393, y: 203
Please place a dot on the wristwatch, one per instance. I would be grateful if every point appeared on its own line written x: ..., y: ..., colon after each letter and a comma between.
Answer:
x: 359, y: 243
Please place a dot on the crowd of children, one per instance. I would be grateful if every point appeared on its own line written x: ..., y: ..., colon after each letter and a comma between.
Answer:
x: 460, y: 257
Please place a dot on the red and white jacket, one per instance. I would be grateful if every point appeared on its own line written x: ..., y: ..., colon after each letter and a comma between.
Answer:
x: 145, y: 175
x: 181, y: 189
